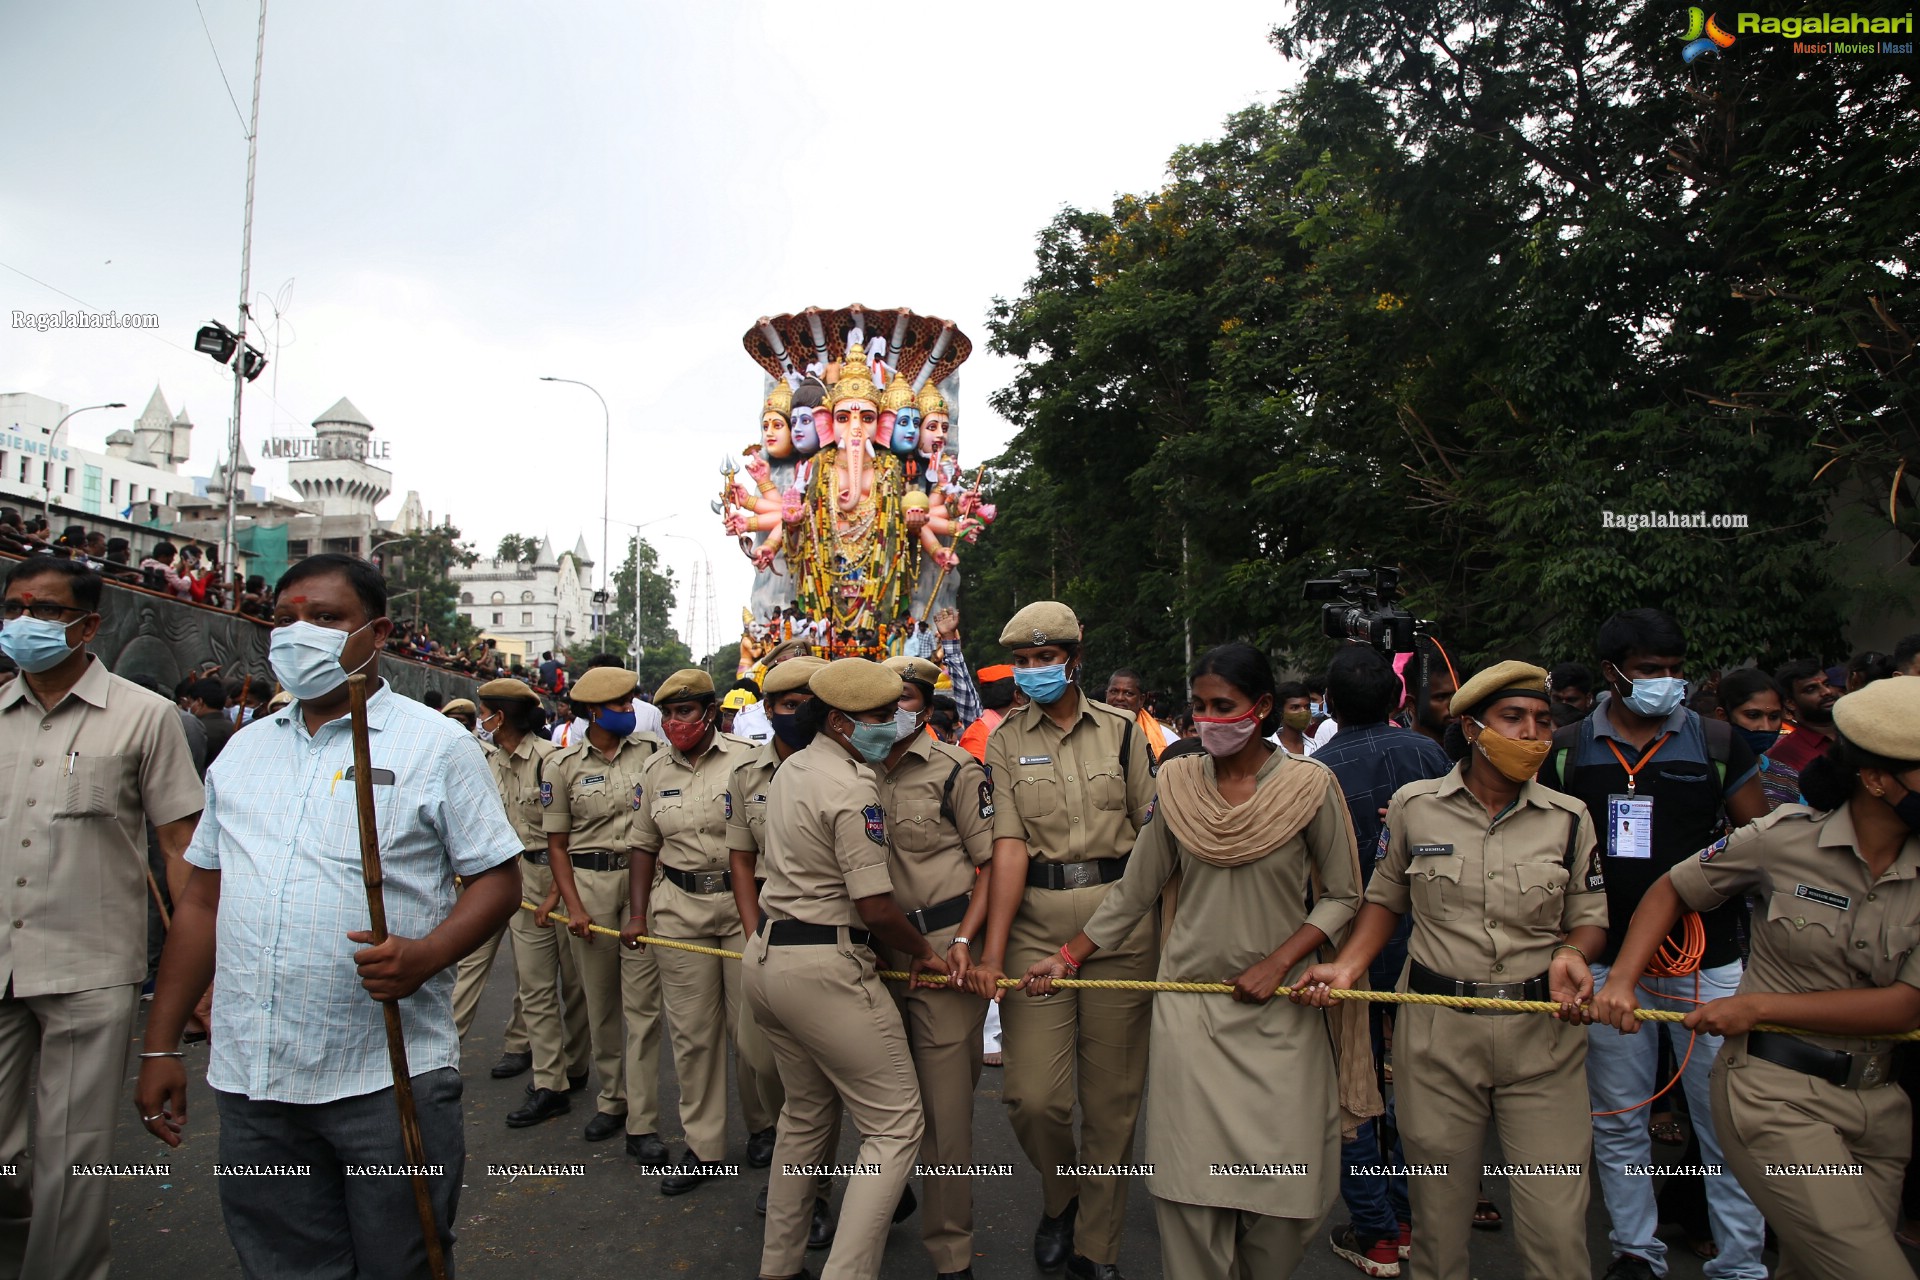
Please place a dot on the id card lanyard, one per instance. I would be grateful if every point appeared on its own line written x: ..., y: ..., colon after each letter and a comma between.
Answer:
x: 1630, y: 817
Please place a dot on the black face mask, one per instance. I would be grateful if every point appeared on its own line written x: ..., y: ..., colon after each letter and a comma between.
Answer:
x: 1909, y: 810
x: 789, y: 732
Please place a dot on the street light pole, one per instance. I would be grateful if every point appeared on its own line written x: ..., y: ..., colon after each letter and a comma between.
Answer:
x: 606, y: 481
x: 227, y: 550
x: 46, y: 476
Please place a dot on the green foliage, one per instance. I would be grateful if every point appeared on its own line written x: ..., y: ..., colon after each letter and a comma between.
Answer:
x: 422, y: 590
x: 517, y: 548
x: 1487, y: 273
x: 722, y: 663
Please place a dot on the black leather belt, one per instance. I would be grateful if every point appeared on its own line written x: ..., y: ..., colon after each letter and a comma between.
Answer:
x: 599, y: 861
x: 798, y: 933
x: 538, y: 857
x: 1424, y: 981
x: 1076, y: 875
x: 702, y: 882
x: 1836, y: 1067
x: 940, y: 915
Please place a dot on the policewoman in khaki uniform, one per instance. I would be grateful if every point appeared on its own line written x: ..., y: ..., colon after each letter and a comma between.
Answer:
x: 786, y: 691
x: 1502, y: 877
x: 1072, y: 784
x: 812, y: 981
x: 939, y: 806
x: 681, y: 889
x: 1244, y: 1114
x: 1808, y: 1123
x: 591, y: 791
x: 509, y: 710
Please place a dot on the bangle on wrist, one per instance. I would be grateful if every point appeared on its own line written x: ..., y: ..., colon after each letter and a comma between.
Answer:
x: 166, y: 1053
x: 1067, y: 956
x: 1568, y: 946
x: 960, y: 940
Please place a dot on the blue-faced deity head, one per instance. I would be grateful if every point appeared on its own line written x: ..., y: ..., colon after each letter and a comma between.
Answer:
x: 805, y: 439
x: 906, y: 430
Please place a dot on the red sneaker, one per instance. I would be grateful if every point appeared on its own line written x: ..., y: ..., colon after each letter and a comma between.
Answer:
x: 1374, y: 1255
x: 1405, y: 1244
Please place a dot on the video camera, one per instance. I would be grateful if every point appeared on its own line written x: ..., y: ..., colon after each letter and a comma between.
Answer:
x: 1364, y: 610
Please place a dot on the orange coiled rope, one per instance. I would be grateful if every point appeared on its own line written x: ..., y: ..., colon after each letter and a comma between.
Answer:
x: 1675, y: 962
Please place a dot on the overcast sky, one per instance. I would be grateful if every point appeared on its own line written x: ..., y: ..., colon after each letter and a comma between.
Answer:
x: 454, y: 199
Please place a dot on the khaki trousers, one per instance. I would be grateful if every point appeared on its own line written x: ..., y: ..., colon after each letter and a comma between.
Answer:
x: 1828, y: 1225
x: 53, y: 1225
x: 554, y: 1025
x: 623, y: 1005
x: 1205, y: 1242
x: 837, y: 1037
x: 943, y: 1034
x: 703, y: 1000
x: 1085, y: 1046
x: 470, y: 982
x: 1526, y: 1074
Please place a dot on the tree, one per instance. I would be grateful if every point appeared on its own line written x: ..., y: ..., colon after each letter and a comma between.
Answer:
x: 722, y: 663
x: 516, y: 548
x: 422, y: 589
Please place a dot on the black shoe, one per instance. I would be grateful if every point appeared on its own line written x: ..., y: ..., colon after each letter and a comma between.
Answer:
x: 604, y: 1126
x: 820, y: 1230
x: 908, y: 1203
x: 965, y: 1273
x: 1629, y: 1266
x: 648, y: 1151
x: 687, y: 1175
x: 1053, y: 1238
x: 576, y: 1083
x: 760, y: 1148
x: 760, y: 1203
x: 543, y: 1105
x: 511, y: 1065
x: 1081, y: 1269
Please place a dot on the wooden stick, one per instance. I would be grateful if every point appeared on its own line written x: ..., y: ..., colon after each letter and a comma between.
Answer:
x: 166, y: 919
x: 370, y: 872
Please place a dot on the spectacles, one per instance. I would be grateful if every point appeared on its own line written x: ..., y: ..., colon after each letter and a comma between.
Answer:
x: 38, y: 610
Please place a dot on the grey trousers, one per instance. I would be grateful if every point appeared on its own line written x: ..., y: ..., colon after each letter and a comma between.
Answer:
x: 328, y: 1223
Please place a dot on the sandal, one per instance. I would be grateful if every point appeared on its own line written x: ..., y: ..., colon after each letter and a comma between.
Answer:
x: 1705, y: 1247
x: 1668, y: 1133
x: 1486, y: 1217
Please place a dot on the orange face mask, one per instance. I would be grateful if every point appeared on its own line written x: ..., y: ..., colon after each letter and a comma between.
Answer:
x: 1517, y: 758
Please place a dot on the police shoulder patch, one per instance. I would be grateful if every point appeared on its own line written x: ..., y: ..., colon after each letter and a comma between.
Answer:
x: 876, y: 823
x: 1711, y: 851
x: 986, y: 799
x: 639, y: 794
x: 546, y: 792
x: 1151, y: 806
x: 727, y: 798
x: 1380, y: 845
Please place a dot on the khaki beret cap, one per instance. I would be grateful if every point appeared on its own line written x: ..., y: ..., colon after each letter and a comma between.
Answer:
x: 855, y: 684
x: 918, y: 670
x: 1502, y: 679
x: 505, y: 688
x: 688, y: 682
x: 460, y: 706
x: 604, y: 684
x: 1042, y: 622
x: 788, y: 650
x: 792, y: 675
x: 278, y: 700
x: 1883, y: 718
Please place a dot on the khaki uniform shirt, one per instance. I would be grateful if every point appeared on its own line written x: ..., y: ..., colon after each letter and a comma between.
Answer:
x: 518, y: 773
x: 683, y: 819
x: 592, y: 799
x: 747, y: 798
x: 1069, y: 795
x: 940, y: 832
x: 1491, y: 898
x: 826, y: 838
x: 1829, y: 924
x: 78, y: 784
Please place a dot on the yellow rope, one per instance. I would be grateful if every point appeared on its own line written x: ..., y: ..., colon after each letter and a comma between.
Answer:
x: 1226, y: 988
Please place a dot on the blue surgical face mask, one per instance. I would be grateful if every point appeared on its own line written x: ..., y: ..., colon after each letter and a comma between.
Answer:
x: 1045, y: 685
x: 1656, y: 697
x: 873, y: 741
x: 620, y: 724
x: 35, y: 645
x: 1761, y: 740
x: 306, y: 658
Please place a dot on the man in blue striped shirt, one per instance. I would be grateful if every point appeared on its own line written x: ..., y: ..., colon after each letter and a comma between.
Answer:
x: 314, y: 1183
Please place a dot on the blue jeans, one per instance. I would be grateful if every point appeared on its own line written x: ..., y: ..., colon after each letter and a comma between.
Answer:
x: 1376, y: 1202
x: 1620, y: 1073
x: 325, y: 1224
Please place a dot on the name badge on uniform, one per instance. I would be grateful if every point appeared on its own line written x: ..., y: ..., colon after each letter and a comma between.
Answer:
x: 759, y: 799
x: 1430, y: 850
x: 1036, y: 759
x: 1826, y: 897
x: 598, y: 777
x: 1629, y: 826
x: 674, y: 792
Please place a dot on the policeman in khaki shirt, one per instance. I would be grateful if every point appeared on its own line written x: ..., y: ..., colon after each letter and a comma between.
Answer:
x: 1073, y: 783
x: 681, y: 889
x: 509, y: 711
x: 939, y: 806
x: 1807, y: 1122
x: 1502, y: 877
x: 786, y: 691
x: 812, y: 979
x: 591, y: 791
x: 86, y: 761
